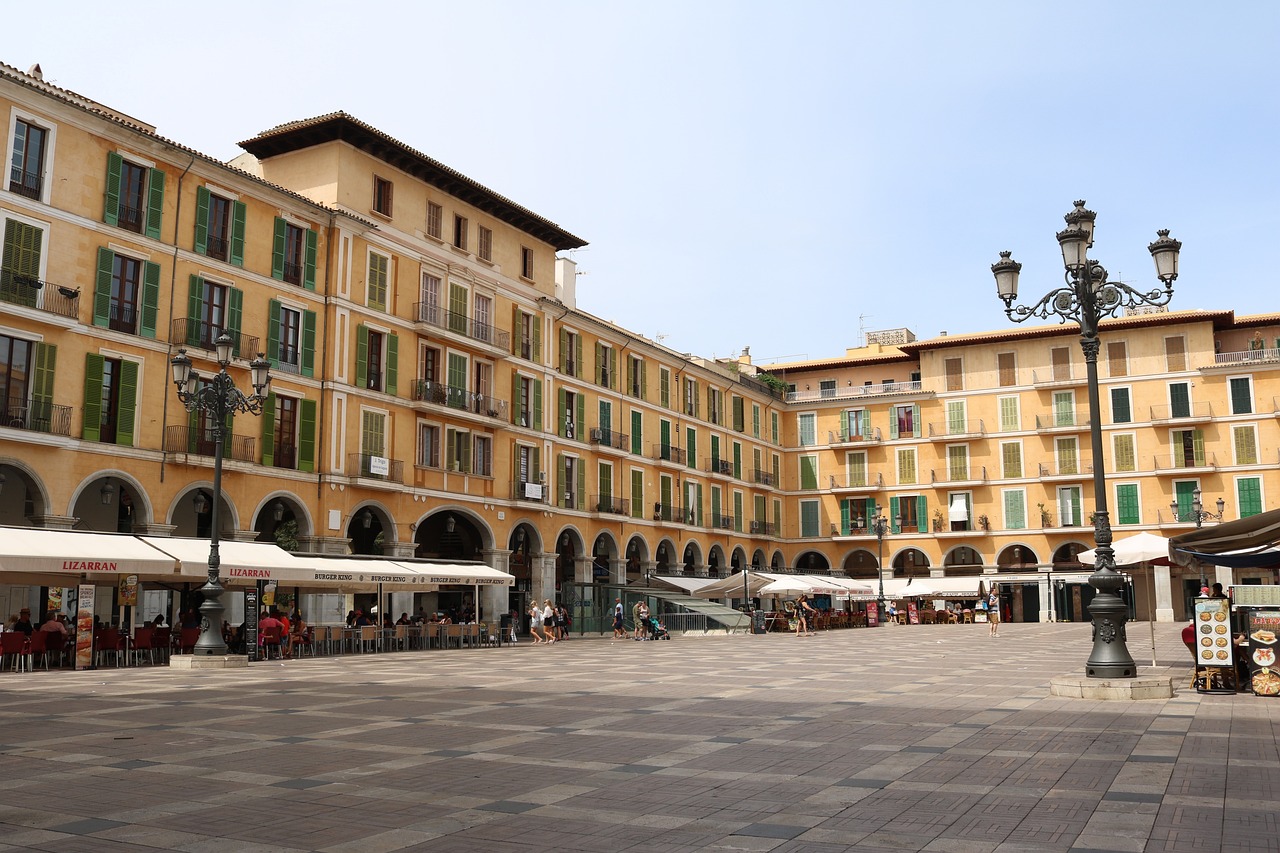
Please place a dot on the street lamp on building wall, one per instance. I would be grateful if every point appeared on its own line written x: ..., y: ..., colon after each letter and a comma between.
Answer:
x: 1199, y: 515
x: 218, y: 400
x: 1085, y: 298
x: 879, y: 526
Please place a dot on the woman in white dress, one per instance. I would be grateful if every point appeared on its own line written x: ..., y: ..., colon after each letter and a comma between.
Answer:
x: 548, y: 620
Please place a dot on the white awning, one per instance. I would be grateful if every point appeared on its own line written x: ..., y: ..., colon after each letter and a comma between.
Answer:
x: 72, y: 554
x: 241, y: 563
x: 466, y: 574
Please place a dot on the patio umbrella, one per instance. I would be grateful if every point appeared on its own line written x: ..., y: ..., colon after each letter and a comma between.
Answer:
x: 788, y: 584
x: 1140, y: 549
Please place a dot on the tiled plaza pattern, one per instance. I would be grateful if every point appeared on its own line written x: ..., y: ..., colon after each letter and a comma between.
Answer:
x: 922, y: 738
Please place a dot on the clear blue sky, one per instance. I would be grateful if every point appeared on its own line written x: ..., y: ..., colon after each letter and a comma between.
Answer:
x: 760, y: 174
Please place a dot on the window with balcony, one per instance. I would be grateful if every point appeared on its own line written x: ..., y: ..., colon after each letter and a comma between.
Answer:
x: 280, y: 432
x: 435, y: 220
x: 1244, y: 440
x: 482, y: 318
x: 960, y: 504
x: 826, y: 388
x: 957, y: 462
x: 20, y: 281
x: 1064, y: 408
x: 904, y: 421
x: 1121, y: 409
x: 291, y: 338
x: 913, y: 510
x: 572, y: 414
x: 135, y: 196
x: 855, y: 466
x: 526, y: 263
x: 1180, y: 399
x: 528, y: 468
x: 26, y: 385
x: 484, y: 243
x: 957, y: 420
x: 427, y: 454
x: 293, y: 254
x: 571, y: 477
x: 1188, y: 448
x: 1241, y: 388
x: 212, y: 309
x: 907, y: 465
x: 376, y: 359
x: 28, y: 152
x: 1066, y: 453
x: 457, y: 319
x: 220, y: 224
x: 637, y: 493
x: 1184, y: 495
x: 110, y: 405
x: 527, y: 411
x: 691, y: 405
x: 429, y: 300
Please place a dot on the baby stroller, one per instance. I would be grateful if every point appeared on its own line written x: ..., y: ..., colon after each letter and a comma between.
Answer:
x: 658, y: 631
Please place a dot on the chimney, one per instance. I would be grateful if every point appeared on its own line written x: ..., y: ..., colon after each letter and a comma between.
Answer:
x: 34, y: 71
x: 567, y: 281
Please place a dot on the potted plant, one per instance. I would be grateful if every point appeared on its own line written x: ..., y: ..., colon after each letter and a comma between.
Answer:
x: 1046, y: 518
x: 937, y: 521
x: 984, y: 523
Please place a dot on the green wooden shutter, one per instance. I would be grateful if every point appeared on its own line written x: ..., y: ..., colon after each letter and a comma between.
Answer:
x: 277, y: 249
x: 517, y: 335
x: 22, y: 244
x: 738, y: 416
x: 202, y: 221
x: 308, y: 343
x: 577, y: 356
x: 1180, y: 400
x: 517, y: 397
x: 613, y: 369
x: 581, y: 420
x: 1015, y: 511
x: 1241, y: 395
x: 273, y: 330
x: 602, y: 363
x: 393, y: 360
x: 644, y: 380
x: 537, y: 405
x: 715, y: 451
x: 235, y: 316
x: 46, y: 357
x: 698, y: 521
x: 307, y: 436
x: 195, y: 304
x: 269, y: 430
x: 1127, y: 503
x: 111, y: 211
x: 1197, y: 446
x: 562, y: 414
x: 535, y: 470
x: 92, y: 428
x: 915, y: 420
x: 1246, y: 445
x: 866, y: 423
x: 1120, y: 412
x: 1075, y: 507
x: 808, y: 472
x: 237, y: 233
x: 922, y: 514
x: 845, y: 507
x: 536, y: 322
x: 102, y: 287
x: 564, y: 351
x: 893, y: 423
x: 309, y: 261
x: 637, y: 428
x: 1249, y: 496
x: 127, y: 412
x: 715, y: 506
x: 895, y: 527
x: 362, y: 357
x: 582, y: 485
x: 637, y: 494
x: 691, y: 447
x: 155, y: 203
x: 150, y: 298
x: 560, y: 482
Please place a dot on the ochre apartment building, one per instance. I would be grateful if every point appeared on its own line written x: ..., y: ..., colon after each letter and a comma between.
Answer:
x: 437, y: 391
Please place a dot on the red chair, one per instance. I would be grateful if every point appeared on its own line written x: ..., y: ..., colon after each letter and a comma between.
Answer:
x: 143, y: 641
x: 55, y: 644
x: 187, y: 640
x: 107, y: 642
x: 161, y: 639
x: 38, y: 648
x: 13, y: 644
x: 271, y: 640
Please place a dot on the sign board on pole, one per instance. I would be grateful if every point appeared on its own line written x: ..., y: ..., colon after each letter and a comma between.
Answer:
x: 84, y: 626
x: 251, y: 621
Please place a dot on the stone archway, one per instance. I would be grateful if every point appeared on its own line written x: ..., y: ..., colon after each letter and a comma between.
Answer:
x: 692, y: 559
x: 813, y: 563
x: 604, y: 553
x: 962, y: 560
x: 1065, y: 556
x: 112, y: 503
x: 191, y: 513
x: 777, y: 562
x: 910, y: 563
x: 282, y: 520
x: 368, y: 531
x: 637, y: 559
x: 665, y: 557
x: 715, y: 561
x: 861, y: 564
x: 450, y: 534
x: 738, y: 560
x: 569, y: 546
x: 1016, y: 558
x: 23, y: 498
x: 525, y: 544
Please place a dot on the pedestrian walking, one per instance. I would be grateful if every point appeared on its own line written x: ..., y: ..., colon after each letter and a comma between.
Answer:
x: 993, y: 611
x: 804, y: 616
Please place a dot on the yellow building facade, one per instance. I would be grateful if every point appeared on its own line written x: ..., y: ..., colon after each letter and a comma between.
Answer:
x: 437, y: 392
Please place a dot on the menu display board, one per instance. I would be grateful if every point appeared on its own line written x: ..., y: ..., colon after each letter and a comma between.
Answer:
x: 1255, y: 595
x: 1261, y: 627
x: 1213, y: 632
x: 84, y: 626
x: 913, y: 615
x: 873, y: 614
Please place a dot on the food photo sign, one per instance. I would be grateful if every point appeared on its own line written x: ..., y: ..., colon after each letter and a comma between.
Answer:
x: 1262, y: 627
x: 1213, y: 632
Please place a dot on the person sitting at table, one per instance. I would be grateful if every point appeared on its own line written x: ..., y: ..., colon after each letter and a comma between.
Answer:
x: 387, y: 623
x: 361, y: 621
x: 24, y: 622
x: 403, y: 620
x: 51, y: 623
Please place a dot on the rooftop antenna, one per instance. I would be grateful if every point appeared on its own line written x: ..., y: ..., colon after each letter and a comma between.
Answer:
x: 660, y: 337
x: 862, y: 327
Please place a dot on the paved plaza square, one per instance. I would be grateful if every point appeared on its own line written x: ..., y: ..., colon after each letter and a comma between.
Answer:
x: 931, y: 738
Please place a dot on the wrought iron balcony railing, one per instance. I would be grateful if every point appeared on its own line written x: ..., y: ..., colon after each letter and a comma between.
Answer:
x: 200, y: 442
x: 670, y: 513
x: 433, y: 315
x: 36, y: 416
x: 375, y: 467
x: 611, y: 505
x: 25, y: 183
x: 724, y: 467
x: 610, y: 438
x: 763, y: 477
x: 25, y: 290
x: 523, y: 490
x: 667, y: 453
x: 431, y: 391
x: 195, y: 333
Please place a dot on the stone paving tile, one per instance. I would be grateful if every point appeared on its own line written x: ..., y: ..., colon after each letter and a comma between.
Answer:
x: 716, y: 743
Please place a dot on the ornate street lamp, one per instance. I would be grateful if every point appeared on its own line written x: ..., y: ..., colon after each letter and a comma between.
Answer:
x: 219, y: 400
x: 1085, y: 298
x: 1199, y: 515
x: 879, y: 526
